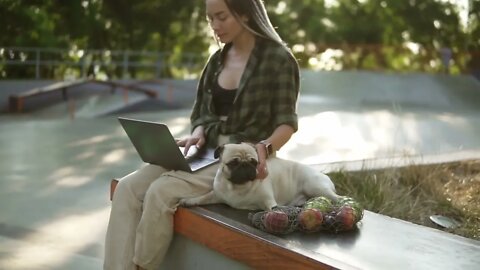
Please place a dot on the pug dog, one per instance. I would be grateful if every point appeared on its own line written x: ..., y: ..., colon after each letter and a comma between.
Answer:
x: 287, y: 183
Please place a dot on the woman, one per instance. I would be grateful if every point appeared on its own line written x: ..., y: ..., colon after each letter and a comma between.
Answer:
x: 247, y: 92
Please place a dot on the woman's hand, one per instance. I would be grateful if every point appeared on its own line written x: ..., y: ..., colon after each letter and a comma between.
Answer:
x: 197, y: 138
x: 262, y: 170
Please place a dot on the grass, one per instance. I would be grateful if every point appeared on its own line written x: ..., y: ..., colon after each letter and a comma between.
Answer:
x: 415, y: 192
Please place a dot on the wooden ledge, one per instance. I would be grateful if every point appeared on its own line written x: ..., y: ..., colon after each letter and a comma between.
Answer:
x: 380, y: 242
x: 238, y: 242
x: 230, y: 235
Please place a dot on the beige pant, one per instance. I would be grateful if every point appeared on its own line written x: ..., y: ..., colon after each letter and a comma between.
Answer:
x: 141, y: 220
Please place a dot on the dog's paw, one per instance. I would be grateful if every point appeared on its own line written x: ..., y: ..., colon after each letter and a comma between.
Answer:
x: 283, y: 208
x: 188, y: 202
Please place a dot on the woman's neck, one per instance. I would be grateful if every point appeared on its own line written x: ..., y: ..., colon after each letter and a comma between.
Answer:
x: 243, y: 44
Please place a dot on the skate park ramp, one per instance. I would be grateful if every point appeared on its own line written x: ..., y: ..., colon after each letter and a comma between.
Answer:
x: 348, y: 116
x: 343, y: 116
x: 370, y: 90
x: 98, y: 105
x: 347, y: 90
x: 89, y: 99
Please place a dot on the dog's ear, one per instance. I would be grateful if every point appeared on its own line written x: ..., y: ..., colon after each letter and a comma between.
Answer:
x: 218, y: 151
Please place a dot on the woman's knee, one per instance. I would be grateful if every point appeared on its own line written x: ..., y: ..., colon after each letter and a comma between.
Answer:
x: 136, y: 183
x: 164, y: 191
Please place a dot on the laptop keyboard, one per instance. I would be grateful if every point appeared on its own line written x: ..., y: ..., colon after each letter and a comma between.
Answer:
x: 200, y: 163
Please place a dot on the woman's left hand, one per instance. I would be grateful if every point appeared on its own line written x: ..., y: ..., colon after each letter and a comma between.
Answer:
x: 262, y: 169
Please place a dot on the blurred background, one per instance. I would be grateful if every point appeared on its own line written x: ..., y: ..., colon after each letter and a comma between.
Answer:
x: 384, y: 83
x: 112, y: 39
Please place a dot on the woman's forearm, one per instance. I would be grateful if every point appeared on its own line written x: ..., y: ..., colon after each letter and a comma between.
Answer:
x: 280, y: 136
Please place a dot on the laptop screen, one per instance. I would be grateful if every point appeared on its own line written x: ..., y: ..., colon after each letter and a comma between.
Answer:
x: 156, y: 145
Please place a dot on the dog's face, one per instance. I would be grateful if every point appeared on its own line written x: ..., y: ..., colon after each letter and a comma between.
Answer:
x: 238, y: 162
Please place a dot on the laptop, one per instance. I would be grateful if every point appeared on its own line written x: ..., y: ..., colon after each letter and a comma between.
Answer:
x: 155, y: 145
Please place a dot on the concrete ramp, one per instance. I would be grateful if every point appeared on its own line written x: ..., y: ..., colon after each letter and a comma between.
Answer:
x: 142, y: 105
x: 102, y: 105
x: 337, y: 91
x: 374, y: 90
x: 356, y: 116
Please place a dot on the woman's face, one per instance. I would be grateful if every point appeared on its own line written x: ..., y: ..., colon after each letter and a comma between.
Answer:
x: 223, y: 23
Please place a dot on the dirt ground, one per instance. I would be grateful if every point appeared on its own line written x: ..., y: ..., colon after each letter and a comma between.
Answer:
x: 463, y: 186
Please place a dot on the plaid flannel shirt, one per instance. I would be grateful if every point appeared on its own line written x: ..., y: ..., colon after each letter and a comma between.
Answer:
x: 266, y: 96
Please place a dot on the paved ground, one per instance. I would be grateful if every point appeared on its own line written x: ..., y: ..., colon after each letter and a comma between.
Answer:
x: 56, y: 170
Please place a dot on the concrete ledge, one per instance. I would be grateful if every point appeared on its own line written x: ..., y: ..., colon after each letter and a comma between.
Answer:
x: 17, y: 102
x: 399, y: 161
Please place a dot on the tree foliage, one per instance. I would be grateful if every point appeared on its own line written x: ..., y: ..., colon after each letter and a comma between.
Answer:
x: 406, y: 35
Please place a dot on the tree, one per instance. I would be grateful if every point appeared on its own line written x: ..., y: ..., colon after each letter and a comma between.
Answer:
x: 394, y: 35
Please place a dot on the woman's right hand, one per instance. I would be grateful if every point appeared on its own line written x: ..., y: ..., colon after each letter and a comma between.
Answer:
x: 197, y: 138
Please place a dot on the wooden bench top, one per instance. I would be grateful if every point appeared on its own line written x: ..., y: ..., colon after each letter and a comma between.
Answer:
x: 380, y: 242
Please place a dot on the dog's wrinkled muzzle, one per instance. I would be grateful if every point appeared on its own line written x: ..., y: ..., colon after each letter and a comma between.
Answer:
x: 242, y: 173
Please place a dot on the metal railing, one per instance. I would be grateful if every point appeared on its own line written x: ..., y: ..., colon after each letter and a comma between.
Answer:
x: 49, y: 63
x: 52, y: 63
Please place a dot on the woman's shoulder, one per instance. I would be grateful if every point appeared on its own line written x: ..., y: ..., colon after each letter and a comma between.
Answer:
x: 213, y: 61
x: 215, y: 55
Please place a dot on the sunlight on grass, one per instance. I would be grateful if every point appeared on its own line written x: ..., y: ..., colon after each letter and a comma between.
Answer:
x: 415, y: 192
